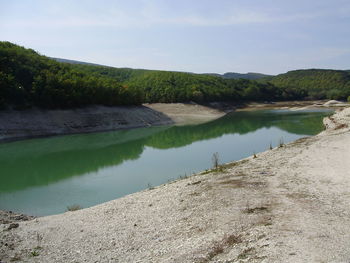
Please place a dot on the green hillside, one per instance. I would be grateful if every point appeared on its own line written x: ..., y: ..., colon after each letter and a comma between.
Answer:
x: 315, y: 83
x: 29, y: 79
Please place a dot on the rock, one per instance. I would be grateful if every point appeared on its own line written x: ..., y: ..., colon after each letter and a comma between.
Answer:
x: 332, y: 102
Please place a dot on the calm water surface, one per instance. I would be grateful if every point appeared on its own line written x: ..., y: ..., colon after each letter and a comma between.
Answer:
x: 44, y: 176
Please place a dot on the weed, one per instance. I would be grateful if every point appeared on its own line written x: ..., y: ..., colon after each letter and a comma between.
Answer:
x: 206, y: 172
x: 39, y: 238
x: 74, y: 207
x: 271, y: 146
x: 254, y: 156
x: 220, y: 169
x: 183, y: 176
x: 215, y: 159
x: 149, y: 186
x: 281, y: 143
x: 34, y: 253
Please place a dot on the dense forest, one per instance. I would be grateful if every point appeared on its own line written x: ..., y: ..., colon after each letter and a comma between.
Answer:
x: 315, y: 83
x: 29, y: 79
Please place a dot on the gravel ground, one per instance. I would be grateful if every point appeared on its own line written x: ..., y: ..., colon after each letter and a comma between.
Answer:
x: 289, y: 204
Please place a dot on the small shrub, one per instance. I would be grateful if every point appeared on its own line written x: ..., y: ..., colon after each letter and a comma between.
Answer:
x: 271, y: 146
x: 73, y: 207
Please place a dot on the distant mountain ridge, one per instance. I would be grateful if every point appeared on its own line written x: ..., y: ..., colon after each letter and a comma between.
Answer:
x: 70, y: 61
x: 235, y: 75
x: 227, y: 75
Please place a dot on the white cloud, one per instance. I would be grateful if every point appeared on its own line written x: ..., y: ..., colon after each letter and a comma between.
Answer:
x: 149, y: 14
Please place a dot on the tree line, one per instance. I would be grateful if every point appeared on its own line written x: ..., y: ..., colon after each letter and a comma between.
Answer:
x: 29, y: 79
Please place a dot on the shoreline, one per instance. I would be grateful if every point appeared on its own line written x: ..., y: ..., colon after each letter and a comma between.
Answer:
x: 264, y: 209
x: 38, y: 123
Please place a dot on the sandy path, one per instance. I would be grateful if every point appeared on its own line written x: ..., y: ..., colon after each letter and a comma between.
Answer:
x: 290, y: 204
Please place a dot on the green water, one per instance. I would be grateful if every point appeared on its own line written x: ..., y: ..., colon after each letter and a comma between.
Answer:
x: 44, y: 176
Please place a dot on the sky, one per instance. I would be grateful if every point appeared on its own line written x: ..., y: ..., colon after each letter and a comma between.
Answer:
x: 266, y: 36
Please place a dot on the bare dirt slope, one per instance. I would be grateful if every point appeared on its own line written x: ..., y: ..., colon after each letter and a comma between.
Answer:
x: 290, y: 204
x: 182, y: 113
x: 36, y: 122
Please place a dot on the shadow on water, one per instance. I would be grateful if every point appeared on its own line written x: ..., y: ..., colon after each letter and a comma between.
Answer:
x: 38, y: 162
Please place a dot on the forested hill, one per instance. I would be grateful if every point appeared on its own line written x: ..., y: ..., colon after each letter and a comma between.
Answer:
x: 29, y: 79
x: 315, y: 83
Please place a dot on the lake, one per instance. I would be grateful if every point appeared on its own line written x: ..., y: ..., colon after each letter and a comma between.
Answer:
x: 44, y: 176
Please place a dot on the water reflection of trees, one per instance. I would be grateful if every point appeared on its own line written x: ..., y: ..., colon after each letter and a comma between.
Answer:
x: 43, y: 161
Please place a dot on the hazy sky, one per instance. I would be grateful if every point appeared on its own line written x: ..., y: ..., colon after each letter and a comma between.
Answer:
x: 268, y: 36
